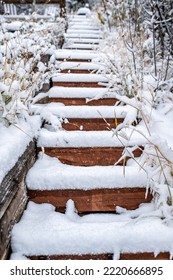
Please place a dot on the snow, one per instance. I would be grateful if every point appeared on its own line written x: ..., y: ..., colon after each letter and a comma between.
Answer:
x: 87, y: 78
x: 89, y: 139
x: 80, y: 40
x: 80, y: 20
x: 71, y: 234
x: 88, y: 35
x: 80, y: 46
x: 84, y: 11
x: 80, y: 27
x: 13, y: 142
x: 78, y: 65
x: 162, y: 126
x: 65, y: 92
x: 13, y: 26
x: 85, y: 112
x: 78, y: 33
x: 50, y: 174
x: 75, y: 54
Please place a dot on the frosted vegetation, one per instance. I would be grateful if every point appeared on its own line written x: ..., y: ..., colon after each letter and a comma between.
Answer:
x: 139, y: 52
x: 22, y: 66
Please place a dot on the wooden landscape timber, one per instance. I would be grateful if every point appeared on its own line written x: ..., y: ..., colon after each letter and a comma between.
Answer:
x: 74, y: 60
x: 91, y: 201
x: 88, y: 156
x: 123, y: 256
x: 91, y: 124
x: 79, y: 84
x: 13, y: 197
x: 77, y: 71
x: 82, y: 101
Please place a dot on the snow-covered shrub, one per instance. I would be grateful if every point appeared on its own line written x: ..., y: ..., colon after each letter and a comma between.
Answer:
x: 22, y: 71
x: 141, y: 76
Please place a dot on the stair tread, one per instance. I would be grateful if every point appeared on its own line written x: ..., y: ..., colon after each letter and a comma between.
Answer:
x: 85, y: 111
x: 80, y: 39
x: 71, y: 30
x: 86, y: 78
x: 49, y: 173
x: 56, y: 233
x: 75, y: 54
x: 81, y: 46
x: 79, y: 139
x: 78, y: 92
x: 78, y: 65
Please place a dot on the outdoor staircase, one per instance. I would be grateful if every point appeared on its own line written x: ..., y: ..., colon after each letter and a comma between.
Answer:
x: 80, y: 173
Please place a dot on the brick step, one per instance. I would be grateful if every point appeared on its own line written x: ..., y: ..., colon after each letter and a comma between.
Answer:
x: 88, y: 156
x: 94, y: 200
x: 91, y: 124
x: 82, y: 101
x: 123, y: 256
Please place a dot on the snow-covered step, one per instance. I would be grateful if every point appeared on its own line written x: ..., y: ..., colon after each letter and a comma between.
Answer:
x: 80, y: 40
x: 88, y: 148
x: 92, y: 200
x: 75, y: 55
x: 77, y: 16
x: 79, y: 80
x: 69, y: 234
x: 49, y: 173
x: 93, y: 189
x: 95, y: 124
x: 87, y: 93
x: 82, y: 31
x: 81, y: 46
x: 80, y: 20
x: 89, y: 156
x: 84, y: 117
x: 82, y: 96
x: 71, y: 96
x: 83, y: 27
x: 91, y: 139
x: 83, y: 36
x: 78, y: 67
x: 84, y: 112
x: 82, y: 24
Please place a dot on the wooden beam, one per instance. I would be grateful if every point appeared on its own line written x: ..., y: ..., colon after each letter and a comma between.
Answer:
x: 90, y: 124
x: 95, y: 200
x: 82, y: 101
x: 88, y: 156
x: 78, y: 84
x: 123, y: 256
x: 73, y: 257
x: 13, y: 197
